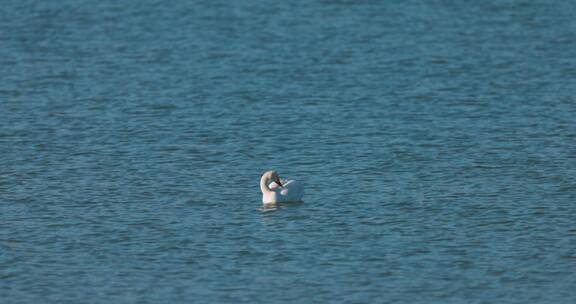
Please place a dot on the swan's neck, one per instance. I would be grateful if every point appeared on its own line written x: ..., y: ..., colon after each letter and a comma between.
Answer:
x: 264, y: 184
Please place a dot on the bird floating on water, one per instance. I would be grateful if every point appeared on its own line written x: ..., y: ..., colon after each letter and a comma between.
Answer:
x: 275, y: 190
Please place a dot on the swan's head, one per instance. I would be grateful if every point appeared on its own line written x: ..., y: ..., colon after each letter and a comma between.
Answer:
x: 273, y: 176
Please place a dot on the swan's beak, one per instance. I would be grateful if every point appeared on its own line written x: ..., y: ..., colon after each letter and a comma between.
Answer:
x: 279, y: 183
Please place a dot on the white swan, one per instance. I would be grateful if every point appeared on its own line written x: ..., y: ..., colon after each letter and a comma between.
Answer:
x: 276, y: 191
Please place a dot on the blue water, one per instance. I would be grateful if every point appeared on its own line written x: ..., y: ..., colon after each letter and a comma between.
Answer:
x: 436, y: 140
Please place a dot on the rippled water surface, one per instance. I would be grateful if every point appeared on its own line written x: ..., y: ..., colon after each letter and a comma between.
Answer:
x: 436, y: 139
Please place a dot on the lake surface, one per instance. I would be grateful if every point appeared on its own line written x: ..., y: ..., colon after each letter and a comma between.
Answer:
x: 436, y: 140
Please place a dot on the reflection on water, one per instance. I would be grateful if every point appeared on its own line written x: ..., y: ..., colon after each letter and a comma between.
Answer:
x: 271, y: 207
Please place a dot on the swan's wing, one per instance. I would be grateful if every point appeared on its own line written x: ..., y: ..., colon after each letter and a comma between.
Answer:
x: 287, y: 183
x: 292, y: 190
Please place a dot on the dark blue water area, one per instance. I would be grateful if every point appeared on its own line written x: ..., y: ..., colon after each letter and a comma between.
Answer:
x: 436, y: 141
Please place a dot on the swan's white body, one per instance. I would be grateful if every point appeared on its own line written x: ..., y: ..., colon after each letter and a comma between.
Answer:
x: 290, y: 191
